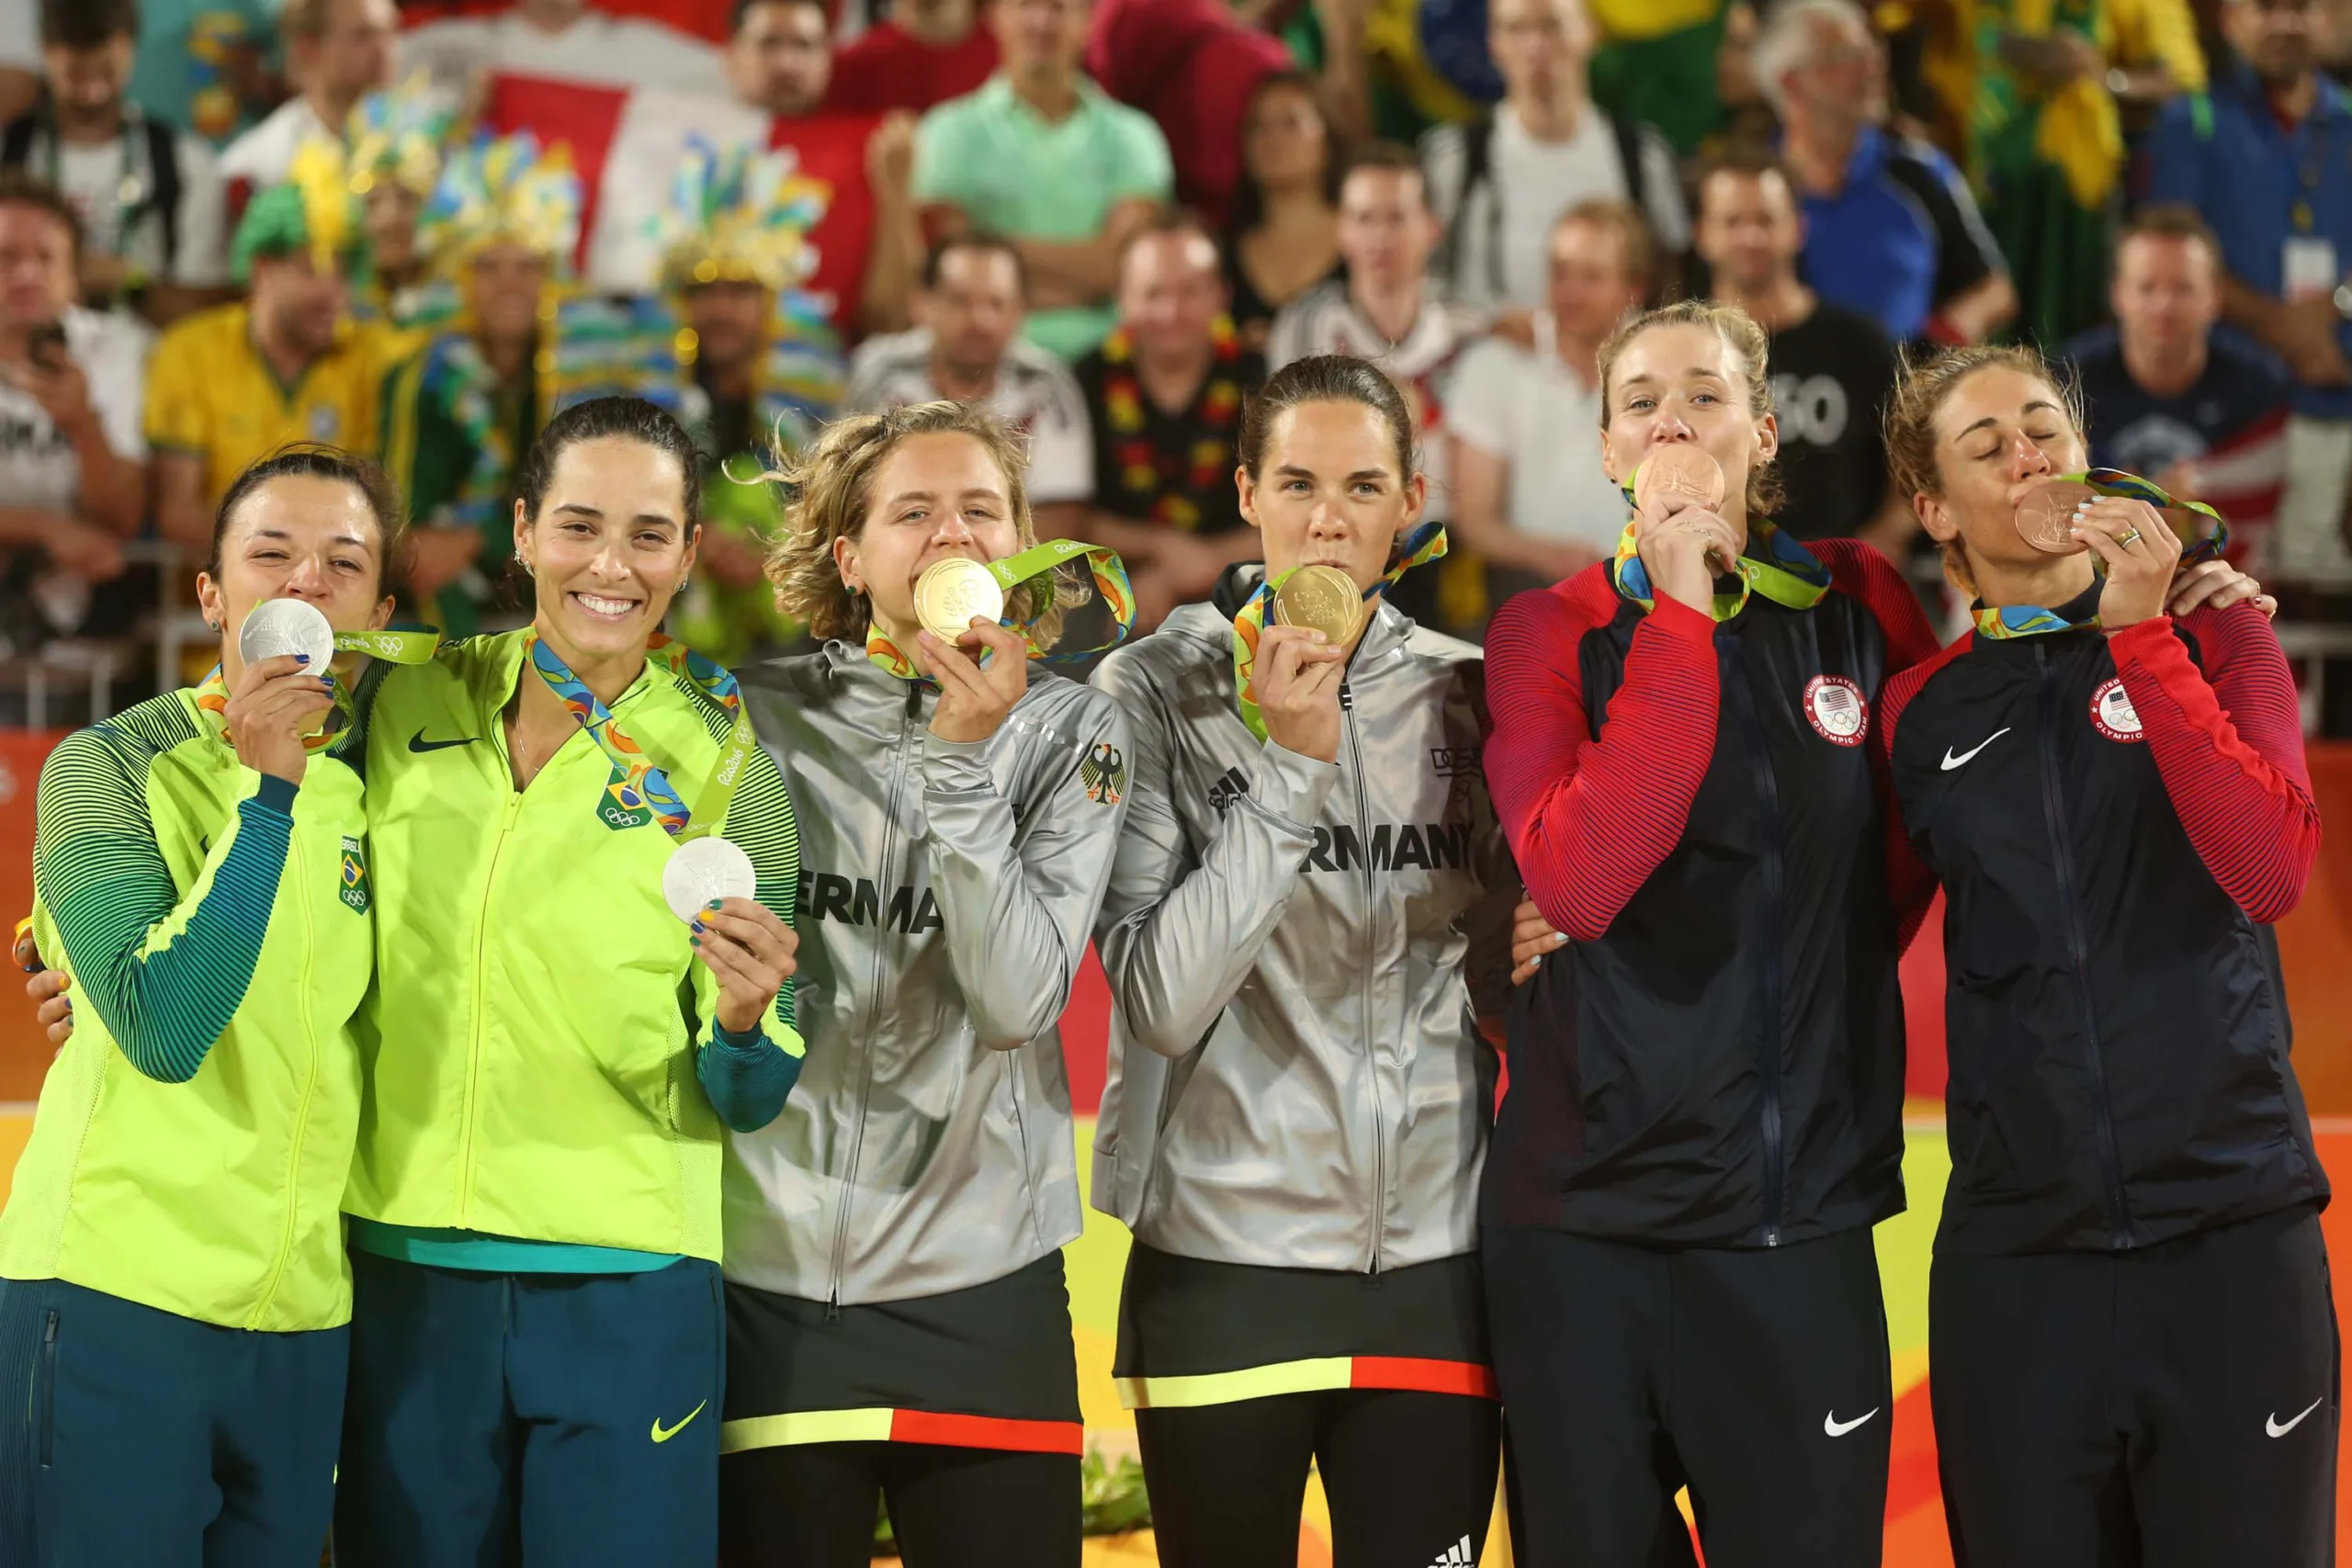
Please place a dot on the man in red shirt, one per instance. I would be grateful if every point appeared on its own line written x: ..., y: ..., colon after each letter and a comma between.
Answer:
x: 928, y: 51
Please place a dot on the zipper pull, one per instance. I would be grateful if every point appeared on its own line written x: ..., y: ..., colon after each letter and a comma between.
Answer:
x: 834, y: 1307
x: 1347, y: 699
x: 49, y: 1329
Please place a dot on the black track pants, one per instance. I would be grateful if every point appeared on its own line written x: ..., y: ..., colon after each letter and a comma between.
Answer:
x: 1410, y: 1478
x: 2170, y: 1407
x: 1758, y: 1377
x: 813, y: 1506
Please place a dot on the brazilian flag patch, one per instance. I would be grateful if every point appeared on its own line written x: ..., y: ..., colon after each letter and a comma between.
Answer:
x: 624, y: 805
x: 354, y: 891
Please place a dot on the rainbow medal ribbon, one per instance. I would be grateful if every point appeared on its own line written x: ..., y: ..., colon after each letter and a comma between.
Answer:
x: 1015, y: 571
x: 2034, y: 620
x: 638, y: 792
x: 1423, y: 545
x: 1773, y: 565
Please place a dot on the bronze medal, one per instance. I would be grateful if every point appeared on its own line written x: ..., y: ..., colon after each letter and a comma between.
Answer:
x: 2047, y: 514
x: 951, y: 592
x: 1322, y: 597
x: 1681, y: 472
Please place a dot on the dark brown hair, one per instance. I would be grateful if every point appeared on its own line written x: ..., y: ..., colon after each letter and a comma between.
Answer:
x: 1623, y: 219
x: 980, y: 241
x: 20, y: 190
x: 631, y: 419
x: 1247, y: 208
x: 87, y: 23
x: 315, y: 460
x: 1388, y: 157
x: 1325, y: 378
x: 2170, y: 220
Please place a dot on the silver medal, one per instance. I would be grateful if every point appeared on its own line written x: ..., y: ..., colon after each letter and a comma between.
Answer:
x: 277, y: 627
x: 703, y: 871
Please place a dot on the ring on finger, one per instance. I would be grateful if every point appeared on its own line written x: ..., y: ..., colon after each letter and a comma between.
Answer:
x: 2128, y: 538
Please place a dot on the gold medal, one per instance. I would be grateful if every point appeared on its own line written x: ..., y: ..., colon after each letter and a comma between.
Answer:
x: 951, y: 592
x: 1681, y: 472
x: 1322, y: 597
x: 2046, y: 515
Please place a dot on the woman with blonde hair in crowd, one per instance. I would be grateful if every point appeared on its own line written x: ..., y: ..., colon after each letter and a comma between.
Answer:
x: 898, y: 1320
x: 2131, y: 1321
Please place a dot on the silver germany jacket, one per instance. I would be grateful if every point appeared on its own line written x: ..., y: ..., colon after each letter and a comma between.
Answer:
x: 1296, y: 1077
x: 947, y: 894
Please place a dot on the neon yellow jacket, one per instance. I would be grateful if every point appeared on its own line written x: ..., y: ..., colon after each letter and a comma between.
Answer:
x: 530, y: 1046
x: 195, y: 1136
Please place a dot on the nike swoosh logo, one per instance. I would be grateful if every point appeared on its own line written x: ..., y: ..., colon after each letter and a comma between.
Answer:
x: 1963, y: 760
x: 420, y: 745
x: 1837, y: 1428
x: 2276, y: 1430
x: 660, y: 1436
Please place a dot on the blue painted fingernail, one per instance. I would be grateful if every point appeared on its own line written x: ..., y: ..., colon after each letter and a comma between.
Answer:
x: 698, y: 926
x: 301, y: 659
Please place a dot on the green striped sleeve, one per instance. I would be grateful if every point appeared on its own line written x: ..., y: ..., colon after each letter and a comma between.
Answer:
x: 165, y: 973
x: 748, y: 1077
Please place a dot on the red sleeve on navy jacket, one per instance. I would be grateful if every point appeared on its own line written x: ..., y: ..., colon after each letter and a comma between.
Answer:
x: 2228, y: 741
x: 1910, y: 884
x: 1589, y: 820
x: 1859, y: 572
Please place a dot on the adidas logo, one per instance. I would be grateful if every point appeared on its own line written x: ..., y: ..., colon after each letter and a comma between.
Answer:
x: 1227, y: 790
x: 1458, y: 1555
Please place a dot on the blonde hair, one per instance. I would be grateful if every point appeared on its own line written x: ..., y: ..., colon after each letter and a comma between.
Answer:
x: 829, y: 490
x: 1748, y: 345
x: 1925, y: 381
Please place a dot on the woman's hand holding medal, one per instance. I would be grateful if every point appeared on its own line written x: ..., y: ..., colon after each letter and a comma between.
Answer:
x: 1684, y: 542
x: 1296, y: 688
x: 2142, y: 553
x: 974, y: 698
x: 275, y: 703
x: 751, y: 952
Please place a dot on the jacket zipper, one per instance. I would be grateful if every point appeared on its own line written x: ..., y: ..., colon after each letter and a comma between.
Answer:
x: 1734, y: 679
x: 48, y: 1388
x: 310, y: 1090
x: 482, y: 945
x: 873, y: 1005
x: 1371, y: 1045
x: 2077, y: 949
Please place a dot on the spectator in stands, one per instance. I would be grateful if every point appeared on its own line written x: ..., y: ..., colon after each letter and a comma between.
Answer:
x: 1285, y: 218
x: 1042, y: 156
x: 923, y: 53
x: 1530, y: 495
x: 569, y: 40
x: 1164, y: 395
x: 780, y: 55
x: 1832, y: 368
x: 967, y: 346
x: 1499, y: 185
x: 498, y: 229
x: 2200, y: 410
x: 1891, y: 230
x: 205, y: 65
x: 1663, y: 64
x: 148, y: 194
x: 230, y: 385
x: 1389, y: 308
x: 1193, y: 66
x: 2266, y: 160
x: 72, y: 474
x: 780, y: 61
x: 337, y: 52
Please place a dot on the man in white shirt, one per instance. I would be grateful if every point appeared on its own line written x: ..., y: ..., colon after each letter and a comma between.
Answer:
x: 148, y: 194
x: 337, y: 52
x: 1389, y: 309
x: 967, y: 346
x: 1498, y: 185
x: 568, y: 39
x: 72, y: 473
x: 1530, y: 495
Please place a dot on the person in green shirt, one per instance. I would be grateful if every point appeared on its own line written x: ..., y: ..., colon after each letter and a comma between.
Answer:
x: 1046, y: 158
x: 552, y: 1053
x: 498, y: 230
x: 173, y: 1293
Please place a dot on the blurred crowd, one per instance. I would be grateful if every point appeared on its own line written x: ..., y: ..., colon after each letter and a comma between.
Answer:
x: 228, y: 224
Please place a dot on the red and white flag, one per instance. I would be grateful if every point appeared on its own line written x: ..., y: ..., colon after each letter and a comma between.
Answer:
x: 627, y: 144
